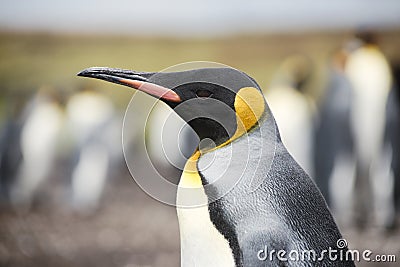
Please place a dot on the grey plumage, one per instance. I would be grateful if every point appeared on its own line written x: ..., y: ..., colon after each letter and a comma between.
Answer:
x: 285, y: 211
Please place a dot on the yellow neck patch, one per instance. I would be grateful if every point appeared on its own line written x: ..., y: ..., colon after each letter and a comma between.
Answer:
x: 249, y: 105
x: 190, y: 177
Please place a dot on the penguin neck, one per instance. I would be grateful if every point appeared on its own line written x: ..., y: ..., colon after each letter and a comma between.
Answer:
x: 250, y: 146
x: 256, y: 144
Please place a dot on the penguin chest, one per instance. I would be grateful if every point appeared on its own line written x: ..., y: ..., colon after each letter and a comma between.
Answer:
x: 201, y: 243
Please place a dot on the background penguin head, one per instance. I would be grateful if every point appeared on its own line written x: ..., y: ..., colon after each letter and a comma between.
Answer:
x: 218, y: 103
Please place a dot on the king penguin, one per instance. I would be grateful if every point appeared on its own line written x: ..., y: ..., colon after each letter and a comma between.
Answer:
x: 241, y: 197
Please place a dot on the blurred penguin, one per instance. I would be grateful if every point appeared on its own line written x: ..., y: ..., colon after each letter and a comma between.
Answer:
x: 168, y: 153
x: 92, y: 124
x: 369, y: 74
x: 392, y: 142
x: 39, y: 137
x: 10, y: 147
x: 293, y: 110
x: 334, y: 159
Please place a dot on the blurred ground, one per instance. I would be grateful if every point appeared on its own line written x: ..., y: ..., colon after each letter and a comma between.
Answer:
x: 130, y: 229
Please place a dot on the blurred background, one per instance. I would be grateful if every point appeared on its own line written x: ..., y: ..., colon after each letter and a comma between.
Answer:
x: 329, y: 70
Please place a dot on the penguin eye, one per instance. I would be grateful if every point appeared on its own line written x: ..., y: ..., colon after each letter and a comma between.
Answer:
x: 203, y: 93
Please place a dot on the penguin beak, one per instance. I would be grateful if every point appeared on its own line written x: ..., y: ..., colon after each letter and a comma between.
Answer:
x: 133, y: 79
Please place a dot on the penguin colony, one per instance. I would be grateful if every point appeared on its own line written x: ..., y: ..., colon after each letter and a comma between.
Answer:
x: 267, y: 200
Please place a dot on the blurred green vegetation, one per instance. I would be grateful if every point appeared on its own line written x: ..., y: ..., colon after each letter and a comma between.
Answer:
x: 30, y: 61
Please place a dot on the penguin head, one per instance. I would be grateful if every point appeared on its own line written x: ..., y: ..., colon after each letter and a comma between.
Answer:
x: 220, y: 104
